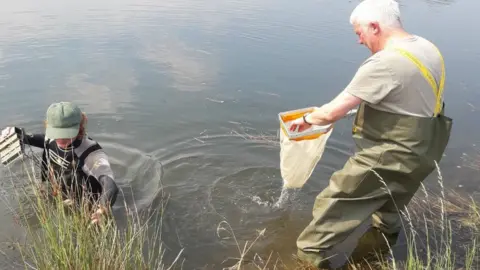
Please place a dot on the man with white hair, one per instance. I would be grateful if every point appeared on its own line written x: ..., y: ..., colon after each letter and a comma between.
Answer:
x: 400, y: 132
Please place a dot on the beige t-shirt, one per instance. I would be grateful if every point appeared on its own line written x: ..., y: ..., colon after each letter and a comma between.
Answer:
x: 389, y: 81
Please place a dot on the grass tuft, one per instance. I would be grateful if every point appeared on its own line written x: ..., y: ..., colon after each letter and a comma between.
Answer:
x: 60, y: 235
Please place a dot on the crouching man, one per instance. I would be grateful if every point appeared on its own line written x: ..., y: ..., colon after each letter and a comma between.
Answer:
x: 75, y: 165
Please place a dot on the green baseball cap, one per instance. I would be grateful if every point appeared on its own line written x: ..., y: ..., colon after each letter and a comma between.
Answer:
x: 63, y: 120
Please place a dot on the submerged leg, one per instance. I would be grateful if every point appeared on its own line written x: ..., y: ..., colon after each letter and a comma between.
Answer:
x: 353, y: 195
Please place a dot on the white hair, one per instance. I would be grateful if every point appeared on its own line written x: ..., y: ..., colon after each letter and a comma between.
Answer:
x: 384, y: 12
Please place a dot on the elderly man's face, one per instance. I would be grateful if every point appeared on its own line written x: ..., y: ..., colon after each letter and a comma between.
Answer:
x: 369, y: 36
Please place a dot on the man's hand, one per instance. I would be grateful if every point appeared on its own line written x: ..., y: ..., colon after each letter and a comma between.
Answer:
x: 7, y: 132
x: 98, y: 215
x: 68, y: 202
x: 300, y: 124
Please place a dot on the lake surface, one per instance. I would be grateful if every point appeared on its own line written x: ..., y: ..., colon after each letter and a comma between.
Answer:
x: 184, y: 96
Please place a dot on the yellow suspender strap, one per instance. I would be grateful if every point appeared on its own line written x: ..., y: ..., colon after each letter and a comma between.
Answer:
x: 438, y: 91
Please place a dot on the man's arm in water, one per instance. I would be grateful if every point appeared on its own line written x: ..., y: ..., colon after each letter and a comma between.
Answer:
x: 97, y: 165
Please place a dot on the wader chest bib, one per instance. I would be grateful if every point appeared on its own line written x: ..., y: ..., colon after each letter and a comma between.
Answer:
x: 63, y: 170
x: 402, y: 150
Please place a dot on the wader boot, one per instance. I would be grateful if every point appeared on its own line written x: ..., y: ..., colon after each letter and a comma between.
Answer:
x: 394, y: 154
x: 313, y: 260
x: 373, y: 245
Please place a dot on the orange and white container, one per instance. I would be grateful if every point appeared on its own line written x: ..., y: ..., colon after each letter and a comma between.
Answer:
x: 313, y: 132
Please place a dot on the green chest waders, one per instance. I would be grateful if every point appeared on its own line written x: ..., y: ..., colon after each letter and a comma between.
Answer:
x: 401, y: 149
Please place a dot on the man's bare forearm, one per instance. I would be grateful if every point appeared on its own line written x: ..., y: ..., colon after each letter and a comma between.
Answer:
x: 334, y: 110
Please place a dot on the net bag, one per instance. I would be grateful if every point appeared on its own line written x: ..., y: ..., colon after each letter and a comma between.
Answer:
x: 300, y: 151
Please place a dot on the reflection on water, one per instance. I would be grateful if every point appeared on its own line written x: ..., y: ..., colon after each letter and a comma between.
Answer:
x: 108, y: 99
x: 190, y: 69
x: 440, y: 2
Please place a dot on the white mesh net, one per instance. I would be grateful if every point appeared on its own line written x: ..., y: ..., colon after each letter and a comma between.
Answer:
x: 299, y: 158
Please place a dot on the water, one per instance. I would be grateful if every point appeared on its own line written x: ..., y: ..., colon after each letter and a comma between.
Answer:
x: 184, y: 96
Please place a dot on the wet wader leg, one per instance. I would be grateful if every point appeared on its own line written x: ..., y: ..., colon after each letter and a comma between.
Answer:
x: 353, y: 195
x: 385, y: 229
x: 386, y: 225
x: 387, y: 219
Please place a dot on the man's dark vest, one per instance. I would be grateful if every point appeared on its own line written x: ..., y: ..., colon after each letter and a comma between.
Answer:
x: 66, y: 172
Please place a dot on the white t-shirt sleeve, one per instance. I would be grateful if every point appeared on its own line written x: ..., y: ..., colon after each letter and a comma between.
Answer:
x: 97, y: 164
